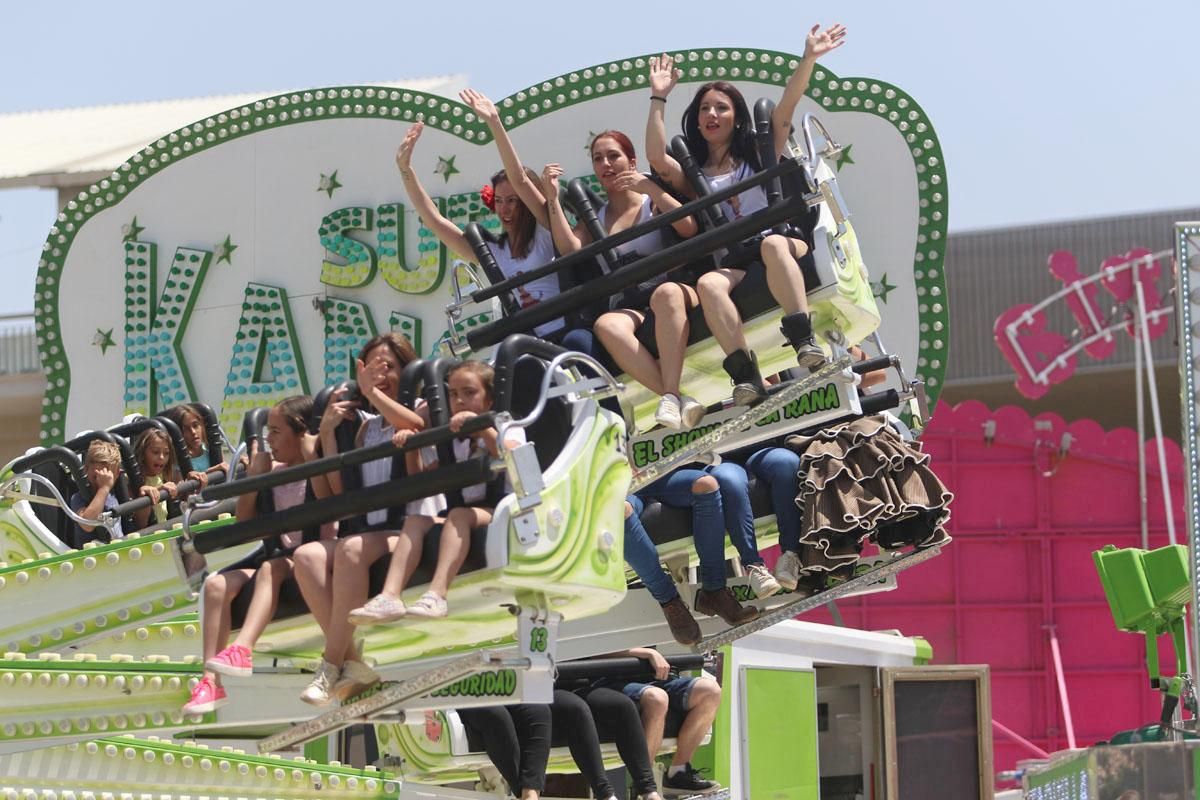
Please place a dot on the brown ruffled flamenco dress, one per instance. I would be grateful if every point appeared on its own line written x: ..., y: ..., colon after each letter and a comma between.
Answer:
x: 861, y: 481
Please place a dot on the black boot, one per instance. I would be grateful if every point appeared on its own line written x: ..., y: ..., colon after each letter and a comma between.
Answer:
x: 742, y: 367
x: 797, y: 329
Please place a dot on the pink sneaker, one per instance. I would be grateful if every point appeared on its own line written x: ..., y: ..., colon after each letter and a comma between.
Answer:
x: 206, y: 696
x: 234, y: 661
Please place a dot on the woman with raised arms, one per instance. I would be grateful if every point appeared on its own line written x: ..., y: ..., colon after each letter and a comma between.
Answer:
x: 720, y: 137
x: 514, y: 197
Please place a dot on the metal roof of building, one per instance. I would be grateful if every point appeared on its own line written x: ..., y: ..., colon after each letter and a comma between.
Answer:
x: 990, y: 271
x: 78, y: 146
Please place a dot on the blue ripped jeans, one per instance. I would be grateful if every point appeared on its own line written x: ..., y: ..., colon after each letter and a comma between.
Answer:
x: 708, y: 522
x: 780, y: 468
x: 739, y: 517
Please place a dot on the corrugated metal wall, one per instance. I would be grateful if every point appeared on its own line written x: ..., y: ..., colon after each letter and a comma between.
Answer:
x: 988, y: 272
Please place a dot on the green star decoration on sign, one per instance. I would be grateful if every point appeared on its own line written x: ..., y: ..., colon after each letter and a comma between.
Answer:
x: 329, y: 183
x: 103, y: 340
x: 224, y: 251
x: 445, y: 167
x: 882, y: 289
x: 131, y: 231
x: 844, y: 158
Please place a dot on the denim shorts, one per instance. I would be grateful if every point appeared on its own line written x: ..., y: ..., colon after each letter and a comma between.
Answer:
x: 679, y: 691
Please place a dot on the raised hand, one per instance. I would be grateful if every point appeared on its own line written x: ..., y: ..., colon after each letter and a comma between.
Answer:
x: 260, y: 464
x: 337, y: 410
x: 663, y: 75
x: 369, y: 375
x: 484, y: 108
x: 819, y: 42
x: 550, y: 175
x: 404, y: 153
x: 632, y: 180
x: 105, y: 477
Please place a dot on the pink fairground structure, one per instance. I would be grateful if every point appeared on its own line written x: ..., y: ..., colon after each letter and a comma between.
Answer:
x: 1033, y: 498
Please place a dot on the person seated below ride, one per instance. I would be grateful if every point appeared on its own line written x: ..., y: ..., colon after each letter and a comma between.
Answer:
x: 190, y: 421
x: 517, y: 740
x: 582, y: 713
x: 697, y: 699
x: 288, y: 443
x: 632, y: 199
x: 720, y: 136
x: 470, y: 391
x: 333, y: 575
x: 712, y: 494
x: 102, y: 466
x: 157, y: 462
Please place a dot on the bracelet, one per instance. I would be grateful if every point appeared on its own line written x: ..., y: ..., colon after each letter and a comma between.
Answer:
x: 658, y: 97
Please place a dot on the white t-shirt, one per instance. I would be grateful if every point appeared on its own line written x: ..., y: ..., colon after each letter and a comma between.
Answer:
x: 373, y: 472
x: 740, y: 205
x: 541, y: 251
x: 473, y: 447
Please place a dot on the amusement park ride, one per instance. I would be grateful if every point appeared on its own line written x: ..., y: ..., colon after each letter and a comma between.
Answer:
x: 102, y: 643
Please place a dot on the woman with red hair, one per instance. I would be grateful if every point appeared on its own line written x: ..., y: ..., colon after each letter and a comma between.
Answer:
x: 632, y: 199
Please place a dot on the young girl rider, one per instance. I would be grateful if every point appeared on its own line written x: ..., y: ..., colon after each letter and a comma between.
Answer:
x: 333, y: 575
x: 469, y: 386
x: 720, y: 137
x: 157, y: 461
x: 287, y: 443
x: 632, y: 199
x: 191, y: 424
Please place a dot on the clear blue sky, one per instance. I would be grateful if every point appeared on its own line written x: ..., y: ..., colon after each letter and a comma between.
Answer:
x: 1046, y: 110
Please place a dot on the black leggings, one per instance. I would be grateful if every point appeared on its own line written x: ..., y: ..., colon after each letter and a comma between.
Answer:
x: 517, y: 740
x: 613, y: 712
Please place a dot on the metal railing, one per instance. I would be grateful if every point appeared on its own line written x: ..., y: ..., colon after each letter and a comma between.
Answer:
x: 18, y: 344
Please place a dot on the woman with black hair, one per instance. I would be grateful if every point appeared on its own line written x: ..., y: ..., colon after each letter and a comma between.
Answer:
x: 720, y: 137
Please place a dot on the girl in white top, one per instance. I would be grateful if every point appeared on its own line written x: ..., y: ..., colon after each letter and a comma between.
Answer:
x: 514, y: 197
x: 469, y: 389
x: 632, y: 199
x: 720, y: 136
x: 333, y: 575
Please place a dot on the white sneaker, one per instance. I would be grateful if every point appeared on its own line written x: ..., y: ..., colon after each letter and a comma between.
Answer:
x: 356, y: 678
x: 667, y: 413
x: 692, y: 412
x: 320, y: 691
x: 787, y: 570
x: 762, y: 581
x: 430, y: 605
x: 378, y: 609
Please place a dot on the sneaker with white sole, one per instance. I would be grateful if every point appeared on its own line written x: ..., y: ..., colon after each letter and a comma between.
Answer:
x: 207, y: 695
x: 788, y: 569
x: 667, y: 413
x: 762, y: 581
x: 234, y: 661
x: 431, y: 605
x: 319, y: 691
x: 691, y: 412
x: 356, y: 678
x: 378, y: 609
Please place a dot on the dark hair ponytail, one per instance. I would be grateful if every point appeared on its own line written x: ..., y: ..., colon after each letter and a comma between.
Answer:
x: 296, y: 410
